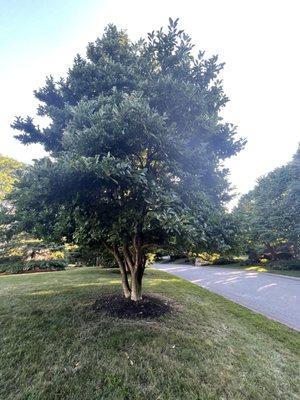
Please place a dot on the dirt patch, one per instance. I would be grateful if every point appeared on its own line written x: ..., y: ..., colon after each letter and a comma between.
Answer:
x: 150, y: 307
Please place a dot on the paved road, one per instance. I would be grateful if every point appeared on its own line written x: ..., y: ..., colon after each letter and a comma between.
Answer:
x: 272, y: 295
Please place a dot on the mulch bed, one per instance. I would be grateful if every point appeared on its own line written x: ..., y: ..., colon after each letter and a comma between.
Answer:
x: 115, y: 305
x: 30, y: 271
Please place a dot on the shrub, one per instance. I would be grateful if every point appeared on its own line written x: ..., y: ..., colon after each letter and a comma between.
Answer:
x: 217, y: 259
x: 52, y: 265
x: 27, y: 254
x: 284, y: 264
x: 225, y: 261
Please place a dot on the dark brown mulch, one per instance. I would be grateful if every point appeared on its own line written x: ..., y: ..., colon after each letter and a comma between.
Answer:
x: 115, y: 305
x: 30, y: 271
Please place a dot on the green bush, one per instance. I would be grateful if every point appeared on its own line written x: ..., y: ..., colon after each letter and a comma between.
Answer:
x: 52, y: 265
x: 26, y: 254
x: 225, y: 261
x: 284, y: 264
x: 11, y: 268
x: 36, y: 265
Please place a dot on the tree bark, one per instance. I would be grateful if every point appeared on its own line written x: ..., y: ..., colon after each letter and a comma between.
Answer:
x: 138, y: 266
x: 128, y: 258
x: 131, y: 259
x: 122, y: 267
x: 125, y: 285
x: 136, y: 286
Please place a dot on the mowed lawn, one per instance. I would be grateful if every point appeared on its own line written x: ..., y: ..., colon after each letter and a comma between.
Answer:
x: 53, y: 345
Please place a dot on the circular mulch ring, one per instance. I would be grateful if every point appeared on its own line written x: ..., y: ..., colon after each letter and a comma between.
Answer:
x: 115, y: 305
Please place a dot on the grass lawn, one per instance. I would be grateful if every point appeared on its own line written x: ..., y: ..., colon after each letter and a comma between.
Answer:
x: 260, y: 268
x: 53, y: 345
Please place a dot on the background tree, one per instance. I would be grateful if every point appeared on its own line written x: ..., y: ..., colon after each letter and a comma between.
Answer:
x: 136, y: 148
x: 8, y: 174
x: 270, y: 212
x: 293, y: 202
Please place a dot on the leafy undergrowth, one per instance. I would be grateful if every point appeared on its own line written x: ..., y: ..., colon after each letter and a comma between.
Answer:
x: 55, y: 345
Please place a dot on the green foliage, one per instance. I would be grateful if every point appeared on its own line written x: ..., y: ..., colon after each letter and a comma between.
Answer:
x: 107, y: 260
x: 137, y: 146
x: 33, y: 266
x: 270, y: 213
x: 216, y: 259
x: 26, y: 254
x: 9, y: 169
x: 284, y: 265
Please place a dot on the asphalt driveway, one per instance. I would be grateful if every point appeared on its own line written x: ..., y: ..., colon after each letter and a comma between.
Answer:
x: 274, y: 296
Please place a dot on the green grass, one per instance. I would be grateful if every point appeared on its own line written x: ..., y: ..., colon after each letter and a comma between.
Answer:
x: 53, y: 346
x: 260, y: 268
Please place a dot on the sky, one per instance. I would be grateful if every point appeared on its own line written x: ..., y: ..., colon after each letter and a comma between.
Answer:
x: 257, y: 39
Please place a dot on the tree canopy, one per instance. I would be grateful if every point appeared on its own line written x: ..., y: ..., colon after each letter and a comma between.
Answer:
x: 270, y: 213
x: 136, y: 148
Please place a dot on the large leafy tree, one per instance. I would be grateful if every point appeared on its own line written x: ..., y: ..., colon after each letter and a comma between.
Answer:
x: 293, y: 202
x: 136, y: 146
x: 270, y: 213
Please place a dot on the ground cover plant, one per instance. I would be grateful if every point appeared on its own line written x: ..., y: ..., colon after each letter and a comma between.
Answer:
x: 54, y: 344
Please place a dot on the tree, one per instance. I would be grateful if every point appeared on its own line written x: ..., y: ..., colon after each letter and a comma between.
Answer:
x: 293, y: 202
x: 270, y: 212
x: 8, y: 174
x: 136, y: 146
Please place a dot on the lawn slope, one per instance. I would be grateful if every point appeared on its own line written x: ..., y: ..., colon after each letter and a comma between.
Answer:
x: 53, y: 345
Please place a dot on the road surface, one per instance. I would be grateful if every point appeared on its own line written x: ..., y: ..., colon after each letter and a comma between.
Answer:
x: 274, y: 296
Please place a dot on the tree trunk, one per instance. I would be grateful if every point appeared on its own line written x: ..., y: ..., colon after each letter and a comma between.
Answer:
x: 131, y: 260
x: 136, y: 286
x: 137, y: 268
x: 124, y: 277
x: 125, y: 286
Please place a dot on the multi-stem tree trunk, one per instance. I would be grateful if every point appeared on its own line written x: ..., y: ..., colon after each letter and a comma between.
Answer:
x: 131, y: 260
